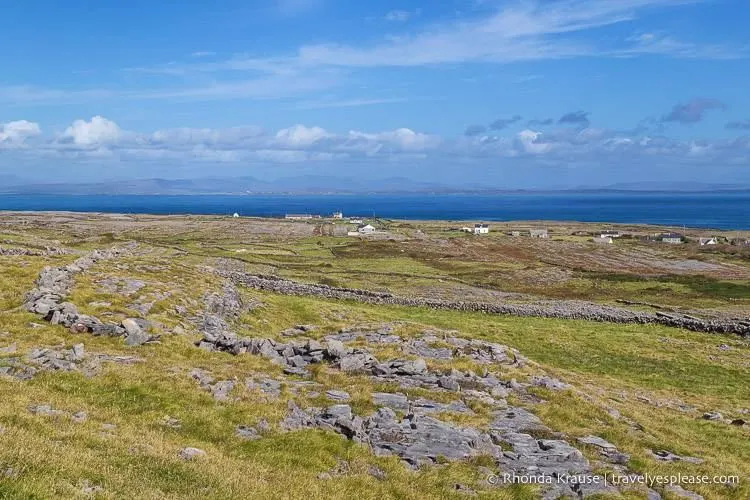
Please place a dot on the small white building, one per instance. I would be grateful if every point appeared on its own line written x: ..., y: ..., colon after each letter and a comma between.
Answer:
x: 671, y: 238
x: 707, y: 241
x: 611, y: 234
x: 603, y: 240
x: 338, y: 215
x: 236, y: 215
x: 539, y: 233
x: 366, y: 229
x: 481, y: 228
x: 355, y: 221
x: 299, y: 216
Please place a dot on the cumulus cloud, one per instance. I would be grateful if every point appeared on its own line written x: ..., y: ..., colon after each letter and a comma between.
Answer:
x: 692, y: 111
x: 301, y: 136
x: 402, y: 139
x: 16, y: 132
x: 96, y: 131
x: 575, y: 118
x: 502, y: 123
x: 531, y: 142
x: 100, y: 140
x: 739, y: 125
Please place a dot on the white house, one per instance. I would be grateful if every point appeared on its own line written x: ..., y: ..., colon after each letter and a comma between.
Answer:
x: 671, y: 238
x: 338, y: 215
x: 539, y: 233
x: 355, y: 221
x: 604, y: 240
x: 366, y: 229
x: 236, y: 215
x: 610, y: 234
x: 481, y: 228
x: 707, y: 241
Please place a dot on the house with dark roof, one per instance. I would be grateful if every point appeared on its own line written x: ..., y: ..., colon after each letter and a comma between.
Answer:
x: 671, y: 238
x: 481, y: 228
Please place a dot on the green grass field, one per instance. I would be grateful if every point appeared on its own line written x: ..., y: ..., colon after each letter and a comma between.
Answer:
x: 640, y: 387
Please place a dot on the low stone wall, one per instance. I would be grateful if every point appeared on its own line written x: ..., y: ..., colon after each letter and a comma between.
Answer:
x: 566, y: 309
x: 54, y: 284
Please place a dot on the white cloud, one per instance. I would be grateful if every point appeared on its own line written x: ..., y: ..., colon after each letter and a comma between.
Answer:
x: 403, y: 139
x: 98, y: 130
x: 15, y: 133
x: 501, y: 32
x: 280, y: 83
x: 529, y: 142
x: 667, y: 45
x: 524, y: 31
x: 300, y: 136
x: 100, y: 139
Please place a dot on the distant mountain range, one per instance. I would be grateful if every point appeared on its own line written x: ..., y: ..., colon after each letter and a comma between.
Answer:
x: 237, y: 185
x: 312, y: 184
x: 683, y: 186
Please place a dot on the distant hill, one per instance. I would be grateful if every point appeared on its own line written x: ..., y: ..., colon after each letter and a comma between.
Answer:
x: 320, y: 184
x: 684, y: 186
x: 308, y: 184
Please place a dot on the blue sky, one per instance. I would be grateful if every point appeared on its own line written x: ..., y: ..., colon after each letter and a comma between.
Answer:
x: 509, y: 93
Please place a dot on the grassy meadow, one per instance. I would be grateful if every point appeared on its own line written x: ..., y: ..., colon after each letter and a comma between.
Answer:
x: 640, y: 387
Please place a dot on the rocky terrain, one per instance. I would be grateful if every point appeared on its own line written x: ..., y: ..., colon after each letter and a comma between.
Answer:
x: 143, y: 368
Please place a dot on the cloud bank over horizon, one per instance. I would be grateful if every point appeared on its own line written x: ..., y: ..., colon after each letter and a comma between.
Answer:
x: 570, y: 142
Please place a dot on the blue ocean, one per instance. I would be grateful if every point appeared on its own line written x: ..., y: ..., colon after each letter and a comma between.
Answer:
x: 730, y: 210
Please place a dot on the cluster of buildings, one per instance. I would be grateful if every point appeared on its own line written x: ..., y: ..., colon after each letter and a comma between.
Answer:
x: 339, y: 229
x: 335, y: 215
x: 483, y: 228
x: 678, y: 239
x: 477, y: 229
x: 542, y: 234
x: 302, y: 216
x: 605, y: 237
x: 671, y: 238
x: 608, y: 237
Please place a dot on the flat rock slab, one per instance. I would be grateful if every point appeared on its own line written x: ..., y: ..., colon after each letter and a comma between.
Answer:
x: 191, y: 453
x: 335, y: 395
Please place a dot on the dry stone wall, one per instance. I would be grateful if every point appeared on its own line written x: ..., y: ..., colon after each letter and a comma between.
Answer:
x: 564, y: 309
